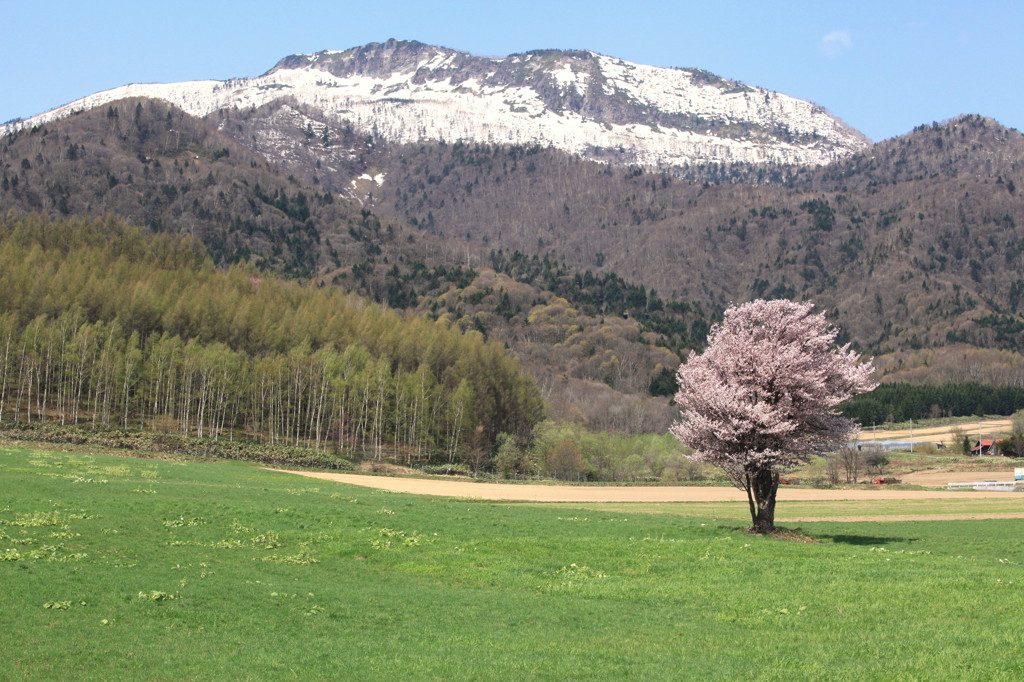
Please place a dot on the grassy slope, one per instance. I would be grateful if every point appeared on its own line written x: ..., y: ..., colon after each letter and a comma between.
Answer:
x: 269, y: 575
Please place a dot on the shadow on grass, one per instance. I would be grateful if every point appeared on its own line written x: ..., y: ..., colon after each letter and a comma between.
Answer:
x: 872, y: 540
x: 800, y: 535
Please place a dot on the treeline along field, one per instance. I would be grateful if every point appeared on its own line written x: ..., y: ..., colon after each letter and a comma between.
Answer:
x: 101, y: 323
x: 897, y: 402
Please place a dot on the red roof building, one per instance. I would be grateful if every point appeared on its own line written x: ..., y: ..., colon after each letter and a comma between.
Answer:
x: 984, y: 447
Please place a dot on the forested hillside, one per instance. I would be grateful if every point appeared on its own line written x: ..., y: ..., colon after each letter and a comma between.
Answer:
x: 913, y: 243
x: 104, y: 324
x: 898, y: 402
x: 154, y: 166
x: 598, y: 346
x: 150, y: 164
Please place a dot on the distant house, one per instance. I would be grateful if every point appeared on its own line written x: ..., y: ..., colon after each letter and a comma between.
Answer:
x: 984, y: 447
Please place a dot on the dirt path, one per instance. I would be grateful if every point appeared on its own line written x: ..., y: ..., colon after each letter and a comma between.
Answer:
x: 566, y: 493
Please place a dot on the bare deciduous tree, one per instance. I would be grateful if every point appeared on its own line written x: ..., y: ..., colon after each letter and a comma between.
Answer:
x: 851, y: 460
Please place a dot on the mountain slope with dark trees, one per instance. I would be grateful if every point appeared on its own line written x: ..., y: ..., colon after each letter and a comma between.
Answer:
x: 901, y: 252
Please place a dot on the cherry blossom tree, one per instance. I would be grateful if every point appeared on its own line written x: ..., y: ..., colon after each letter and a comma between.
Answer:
x: 762, y: 397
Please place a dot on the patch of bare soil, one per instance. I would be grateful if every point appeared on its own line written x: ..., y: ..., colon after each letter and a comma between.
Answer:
x: 786, y: 534
x: 371, y: 467
x: 566, y: 493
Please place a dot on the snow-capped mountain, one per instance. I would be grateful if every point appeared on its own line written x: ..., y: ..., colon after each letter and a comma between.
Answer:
x: 581, y: 102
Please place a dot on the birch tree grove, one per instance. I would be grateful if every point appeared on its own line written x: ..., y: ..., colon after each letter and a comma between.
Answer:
x: 762, y: 397
x: 237, y: 353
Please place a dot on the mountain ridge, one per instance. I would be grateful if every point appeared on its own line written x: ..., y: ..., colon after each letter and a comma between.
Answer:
x: 600, y: 107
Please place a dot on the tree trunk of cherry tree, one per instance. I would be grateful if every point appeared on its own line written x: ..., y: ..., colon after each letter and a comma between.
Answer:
x: 762, y: 486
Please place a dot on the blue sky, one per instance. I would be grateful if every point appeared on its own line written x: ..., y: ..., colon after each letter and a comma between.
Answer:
x: 883, y: 67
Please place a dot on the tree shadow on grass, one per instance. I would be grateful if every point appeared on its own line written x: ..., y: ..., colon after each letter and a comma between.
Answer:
x: 873, y: 540
x: 798, y: 534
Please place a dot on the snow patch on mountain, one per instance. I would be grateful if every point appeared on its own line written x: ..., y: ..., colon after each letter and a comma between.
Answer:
x: 597, y: 106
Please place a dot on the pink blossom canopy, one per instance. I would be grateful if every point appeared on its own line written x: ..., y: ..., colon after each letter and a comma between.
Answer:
x: 763, y: 394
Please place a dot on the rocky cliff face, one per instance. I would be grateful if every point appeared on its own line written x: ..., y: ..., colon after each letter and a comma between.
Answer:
x: 581, y: 102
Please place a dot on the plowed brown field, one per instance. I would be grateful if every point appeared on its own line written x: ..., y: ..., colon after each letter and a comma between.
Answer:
x: 941, y: 434
x: 940, y: 478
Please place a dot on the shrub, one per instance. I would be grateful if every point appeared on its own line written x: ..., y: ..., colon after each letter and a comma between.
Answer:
x: 446, y: 470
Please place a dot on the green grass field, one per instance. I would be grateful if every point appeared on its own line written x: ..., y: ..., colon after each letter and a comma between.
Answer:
x: 114, y: 568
